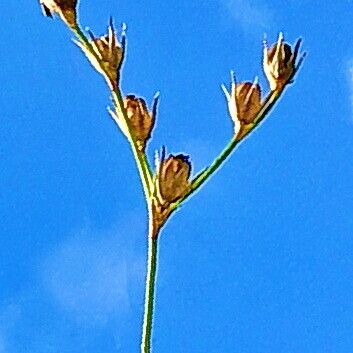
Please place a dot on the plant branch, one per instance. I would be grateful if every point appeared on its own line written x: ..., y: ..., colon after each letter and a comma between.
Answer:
x: 146, y: 174
x: 140, y: 158
x: 267, y: 105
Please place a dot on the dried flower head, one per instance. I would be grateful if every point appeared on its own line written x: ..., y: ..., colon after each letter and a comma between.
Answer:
x: 173, y: 174
x: 279, y: 62
x: 244, y: 103
x: 140, y: 118
x: 107, y: 57
x: 66, y: 9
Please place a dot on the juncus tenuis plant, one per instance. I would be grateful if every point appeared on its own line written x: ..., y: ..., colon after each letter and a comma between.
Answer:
x: 168, y: 183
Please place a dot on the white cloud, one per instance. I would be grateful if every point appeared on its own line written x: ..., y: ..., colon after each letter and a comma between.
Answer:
x: 89, y: 275
x: 253, y: 16
x: 90, y: 282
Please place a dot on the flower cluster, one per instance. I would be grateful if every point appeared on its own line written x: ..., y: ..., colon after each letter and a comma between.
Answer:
x: 279, y: 62
x: 170, y: 183
x: 244, y: 103
x: 105, y: 53
x: 244, y: 99
x: 141, y: 119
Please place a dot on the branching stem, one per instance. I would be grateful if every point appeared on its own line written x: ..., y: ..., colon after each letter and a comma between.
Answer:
x: 146, y: 177
x: 140, y: 158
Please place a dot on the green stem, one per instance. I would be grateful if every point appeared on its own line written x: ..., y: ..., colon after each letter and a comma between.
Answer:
x: 269, y: 102
x: 146, y: 179
x: 202, y: 177
x: 82, y: 37
x: 140, y: 158
x: 147, y: 182
x: 146, y: 344
x: 267, y: 105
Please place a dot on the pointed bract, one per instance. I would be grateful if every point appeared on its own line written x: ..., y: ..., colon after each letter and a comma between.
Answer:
x: 46, y: 10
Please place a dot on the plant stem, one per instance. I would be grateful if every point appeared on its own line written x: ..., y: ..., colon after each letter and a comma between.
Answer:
x: 269, y: 102
x: 203, y: 176
x: 267, y: 105
x: 140, y: 158
x: 150, y: 288
x: 146, y: 179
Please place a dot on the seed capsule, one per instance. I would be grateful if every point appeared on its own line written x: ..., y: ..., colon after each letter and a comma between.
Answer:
x: 108, y: 55
x: 279, y: 62
x: 140, y: 118
x: 66, y: 9
x: 173, y: 178
x: 244, y: 103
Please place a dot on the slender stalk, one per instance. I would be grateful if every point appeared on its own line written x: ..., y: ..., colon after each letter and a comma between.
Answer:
x: 203, y: 176
x: 146, y: 344
x: 146, y: 177
x: 269, y: 102
x: 140, y: 158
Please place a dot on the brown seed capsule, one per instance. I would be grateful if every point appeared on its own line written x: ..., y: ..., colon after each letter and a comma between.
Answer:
x: 173, y: 178
x: 108, y: 55
x: 140, y: 118
x: 66, y: 9
x: 279, y: 62
x: 244, y: 103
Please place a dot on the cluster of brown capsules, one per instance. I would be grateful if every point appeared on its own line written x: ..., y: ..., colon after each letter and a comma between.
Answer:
x: 171, y: 182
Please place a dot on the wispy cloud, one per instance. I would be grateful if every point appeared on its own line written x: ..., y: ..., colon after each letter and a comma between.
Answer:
x: 89, y: 276
x: 88, y: 283
x: 254, y: 17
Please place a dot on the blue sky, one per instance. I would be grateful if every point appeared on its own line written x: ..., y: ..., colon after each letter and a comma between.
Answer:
x: 259, y: 261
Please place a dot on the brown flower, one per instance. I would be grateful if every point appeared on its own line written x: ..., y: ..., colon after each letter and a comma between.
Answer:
x: 279, y: 62
x: 107, y: 57
x: 140, y: 118
x: 244, y: 103
x: 172, y: 181
x: 66, y: 9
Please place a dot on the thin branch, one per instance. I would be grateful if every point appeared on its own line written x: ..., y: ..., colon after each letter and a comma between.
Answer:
x: 268, y: 104
x: 140, y: 158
